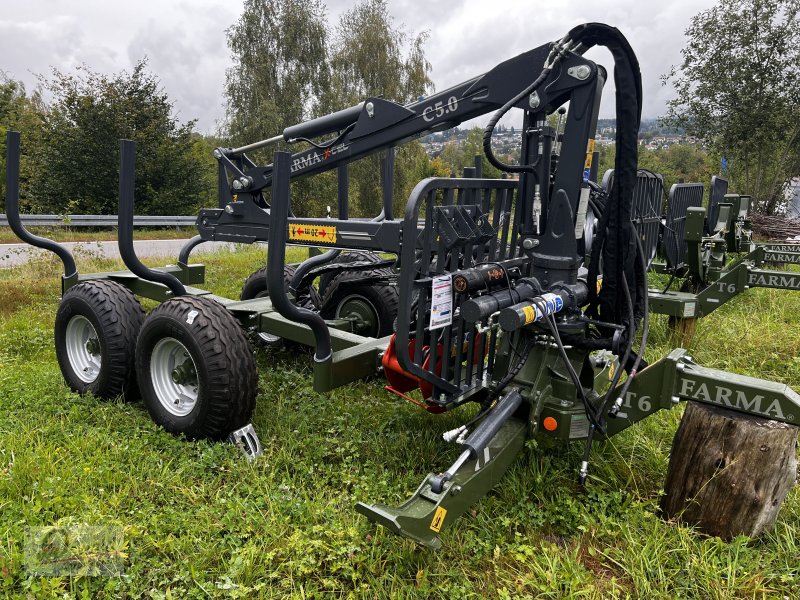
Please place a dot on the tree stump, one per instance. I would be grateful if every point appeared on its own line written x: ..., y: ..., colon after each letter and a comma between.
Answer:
x: 729, y: 472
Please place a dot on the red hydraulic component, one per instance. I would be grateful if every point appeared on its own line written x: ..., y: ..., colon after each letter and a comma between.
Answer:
x: 401, y: 381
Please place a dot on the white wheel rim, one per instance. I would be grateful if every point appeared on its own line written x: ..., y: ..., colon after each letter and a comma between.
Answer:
x: 174, y: 377
x: 83, y: 349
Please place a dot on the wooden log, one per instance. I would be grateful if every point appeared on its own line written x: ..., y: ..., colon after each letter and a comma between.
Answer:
x: 729, y: 472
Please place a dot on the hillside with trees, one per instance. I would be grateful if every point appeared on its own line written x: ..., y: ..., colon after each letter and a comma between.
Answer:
x: 737, y: 104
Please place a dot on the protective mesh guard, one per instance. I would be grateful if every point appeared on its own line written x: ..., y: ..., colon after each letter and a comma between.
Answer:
x: 681, y: 197
x: 646, y: 212
x: 719, y: 187
x: 457, y: 224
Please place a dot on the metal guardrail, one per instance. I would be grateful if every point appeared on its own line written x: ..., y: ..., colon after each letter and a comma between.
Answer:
x: 100, y: 221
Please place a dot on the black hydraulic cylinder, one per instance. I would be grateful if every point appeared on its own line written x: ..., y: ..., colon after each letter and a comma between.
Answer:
x: 480, y: 438
x: 322, y: 125
x: 527, y: 312
x: 485, y: 277
x: 276, y: 259
x: 480, y: 308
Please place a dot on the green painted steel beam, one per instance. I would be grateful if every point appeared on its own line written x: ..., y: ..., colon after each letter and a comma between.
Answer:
x: 351, y: 364
x: 188, y: 275
x: 782, y: 280
x: 426, y: 514
x: 674, y: 304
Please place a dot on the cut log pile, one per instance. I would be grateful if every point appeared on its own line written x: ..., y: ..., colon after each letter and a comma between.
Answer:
x: 778, y: 228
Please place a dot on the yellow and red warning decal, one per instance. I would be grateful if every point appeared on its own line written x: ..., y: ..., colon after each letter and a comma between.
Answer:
x: 319, y: 234
x: 589, y: 154
x: 438, y: 519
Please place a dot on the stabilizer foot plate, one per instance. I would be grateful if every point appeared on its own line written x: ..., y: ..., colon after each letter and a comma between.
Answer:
x: 423, y: 516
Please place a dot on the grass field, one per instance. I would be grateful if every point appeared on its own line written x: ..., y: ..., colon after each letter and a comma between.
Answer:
x: 200, y: 521
x: 67, y: 234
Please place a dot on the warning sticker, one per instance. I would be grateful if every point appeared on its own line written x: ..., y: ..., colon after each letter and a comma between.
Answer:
x: 589, y: 155
x: 321, y: 234
x: 441, y: 302
x: 587, y: 165
x: 438, y: 519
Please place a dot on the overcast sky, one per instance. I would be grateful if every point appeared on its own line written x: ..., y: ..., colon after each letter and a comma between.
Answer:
x: 185, y: 39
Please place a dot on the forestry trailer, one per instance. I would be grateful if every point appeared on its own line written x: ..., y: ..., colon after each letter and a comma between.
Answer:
x: 494, y: 296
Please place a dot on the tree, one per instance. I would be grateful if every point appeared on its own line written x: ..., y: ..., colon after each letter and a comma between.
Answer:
x: 679, y: 162
x: 289, y: 67
x: 459, y: 154
x: 23, y: 113
x: 280, y: 67
x: 90, y: 113
x: 368, y: 60
x: 738, y: 90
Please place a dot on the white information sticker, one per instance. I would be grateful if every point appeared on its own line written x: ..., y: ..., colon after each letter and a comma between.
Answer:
x: 441, y: 302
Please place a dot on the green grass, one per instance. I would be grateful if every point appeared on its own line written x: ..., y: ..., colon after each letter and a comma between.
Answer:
x: 92, y: 234
x: 200, y: 521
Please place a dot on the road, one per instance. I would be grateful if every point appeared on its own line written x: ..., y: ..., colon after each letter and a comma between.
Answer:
x: 16, y: 254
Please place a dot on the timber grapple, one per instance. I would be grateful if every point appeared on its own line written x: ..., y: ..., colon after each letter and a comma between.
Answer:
x: 526, y: 296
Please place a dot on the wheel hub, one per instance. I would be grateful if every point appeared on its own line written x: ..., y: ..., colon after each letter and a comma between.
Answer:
x: 360, y: 312
x: 174, y: 377
x: 83, y: 348
x: 93, y: 346
x: 184, y: 373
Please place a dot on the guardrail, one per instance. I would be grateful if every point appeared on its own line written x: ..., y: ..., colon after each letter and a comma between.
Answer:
x: 100, y: 221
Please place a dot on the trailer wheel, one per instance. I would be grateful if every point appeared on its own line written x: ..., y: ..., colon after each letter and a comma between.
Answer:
x: 95, y: 337
x: 373, y: 308
x: 196, y: 371
x: 255, y: 286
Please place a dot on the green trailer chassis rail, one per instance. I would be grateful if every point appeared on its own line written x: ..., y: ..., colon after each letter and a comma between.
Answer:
x: 662, y: 385
x: 354, y: 357
x: 706, y: 258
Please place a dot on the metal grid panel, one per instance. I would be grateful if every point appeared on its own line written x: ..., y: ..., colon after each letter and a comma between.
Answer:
x: 454, y: 359
x: 646, y: 210
x: 681, y: 197
x: 719, y: 187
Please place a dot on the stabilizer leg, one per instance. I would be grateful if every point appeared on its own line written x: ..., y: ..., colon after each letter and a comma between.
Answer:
x: 427, y: 513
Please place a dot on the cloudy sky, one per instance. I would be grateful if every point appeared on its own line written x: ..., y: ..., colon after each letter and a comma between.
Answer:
x: 185, y: 39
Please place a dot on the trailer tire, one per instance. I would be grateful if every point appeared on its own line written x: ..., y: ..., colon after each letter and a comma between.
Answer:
x: 377, y: 305
x: 326, y: 279
x: 95, y: 338
x: 192, y: 348
x: 255, y: 286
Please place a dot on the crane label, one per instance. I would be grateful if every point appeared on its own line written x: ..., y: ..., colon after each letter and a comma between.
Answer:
x: 320, y: 234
